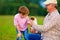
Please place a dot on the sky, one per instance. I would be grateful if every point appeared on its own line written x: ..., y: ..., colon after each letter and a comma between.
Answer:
x: 41, y: 3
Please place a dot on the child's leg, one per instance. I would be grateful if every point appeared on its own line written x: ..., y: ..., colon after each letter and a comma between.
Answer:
x: 26, y: 34
x: 19, y: 38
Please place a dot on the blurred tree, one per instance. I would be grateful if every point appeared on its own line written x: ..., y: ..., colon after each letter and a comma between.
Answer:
x: 58, y: 5
x: 10, y: 7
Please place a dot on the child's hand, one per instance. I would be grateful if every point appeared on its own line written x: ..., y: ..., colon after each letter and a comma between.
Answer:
x: 31, y: 23
x: 18, y: 35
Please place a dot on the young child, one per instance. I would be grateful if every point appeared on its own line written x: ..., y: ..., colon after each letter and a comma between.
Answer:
x: 21, y: 22
x: 35, y: 22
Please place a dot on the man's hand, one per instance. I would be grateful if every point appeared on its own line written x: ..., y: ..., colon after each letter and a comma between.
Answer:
x: 32, y: 31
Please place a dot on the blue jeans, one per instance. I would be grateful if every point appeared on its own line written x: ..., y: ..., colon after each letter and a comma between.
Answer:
x: 34, y: 37
x: 25, y: 33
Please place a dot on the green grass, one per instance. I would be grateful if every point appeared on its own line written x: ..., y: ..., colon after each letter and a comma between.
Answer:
x: 7, y: 29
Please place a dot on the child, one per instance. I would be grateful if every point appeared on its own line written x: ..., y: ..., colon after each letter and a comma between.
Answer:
x: 35, y: 22
x: 21, y: 22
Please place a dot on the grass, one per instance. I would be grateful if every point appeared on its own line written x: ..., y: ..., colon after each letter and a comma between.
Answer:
x: 7, y: 29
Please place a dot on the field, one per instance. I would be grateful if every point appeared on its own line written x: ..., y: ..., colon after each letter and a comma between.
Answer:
x: 7, y: 29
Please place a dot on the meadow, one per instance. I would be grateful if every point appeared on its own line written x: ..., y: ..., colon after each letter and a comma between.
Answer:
x: 7, y: 29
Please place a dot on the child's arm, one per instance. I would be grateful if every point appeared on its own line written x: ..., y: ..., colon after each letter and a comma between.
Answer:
x: 19, y: 33
x: 29, y: 23
x: 17, y: 26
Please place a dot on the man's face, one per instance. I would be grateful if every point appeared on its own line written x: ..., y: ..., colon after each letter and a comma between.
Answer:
x: 49, y: 7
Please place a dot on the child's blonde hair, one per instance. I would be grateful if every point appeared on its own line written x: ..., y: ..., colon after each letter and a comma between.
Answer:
x: 24, y: 10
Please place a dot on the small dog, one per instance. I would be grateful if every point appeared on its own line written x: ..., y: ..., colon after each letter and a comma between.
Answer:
x: 32, y: 30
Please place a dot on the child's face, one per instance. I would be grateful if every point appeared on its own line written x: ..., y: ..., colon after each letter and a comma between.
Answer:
x: 23, y: 16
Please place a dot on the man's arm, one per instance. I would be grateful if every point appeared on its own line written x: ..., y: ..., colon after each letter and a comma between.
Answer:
x: 47, y: 26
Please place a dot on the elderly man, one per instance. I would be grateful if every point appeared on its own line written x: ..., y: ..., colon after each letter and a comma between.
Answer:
x: 51, y: 28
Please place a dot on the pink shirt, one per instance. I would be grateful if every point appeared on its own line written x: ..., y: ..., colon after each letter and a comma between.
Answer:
x: 22, y: 22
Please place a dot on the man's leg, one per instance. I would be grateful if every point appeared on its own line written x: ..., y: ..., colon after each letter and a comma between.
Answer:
x: 34, y: 37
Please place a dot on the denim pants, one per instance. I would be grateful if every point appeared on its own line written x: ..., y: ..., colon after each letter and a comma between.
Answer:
x: 25, y: 33
x: 34, y: 37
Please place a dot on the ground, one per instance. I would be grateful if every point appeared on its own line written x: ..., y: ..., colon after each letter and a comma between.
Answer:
x: 7, y: 29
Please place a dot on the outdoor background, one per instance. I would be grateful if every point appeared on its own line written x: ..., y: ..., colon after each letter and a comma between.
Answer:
x: 8, y: 8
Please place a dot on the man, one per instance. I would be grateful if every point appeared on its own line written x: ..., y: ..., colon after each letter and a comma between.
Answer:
x: 51, y: 28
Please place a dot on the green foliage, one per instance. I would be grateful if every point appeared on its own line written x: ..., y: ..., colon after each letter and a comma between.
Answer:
x: 10, y: 7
